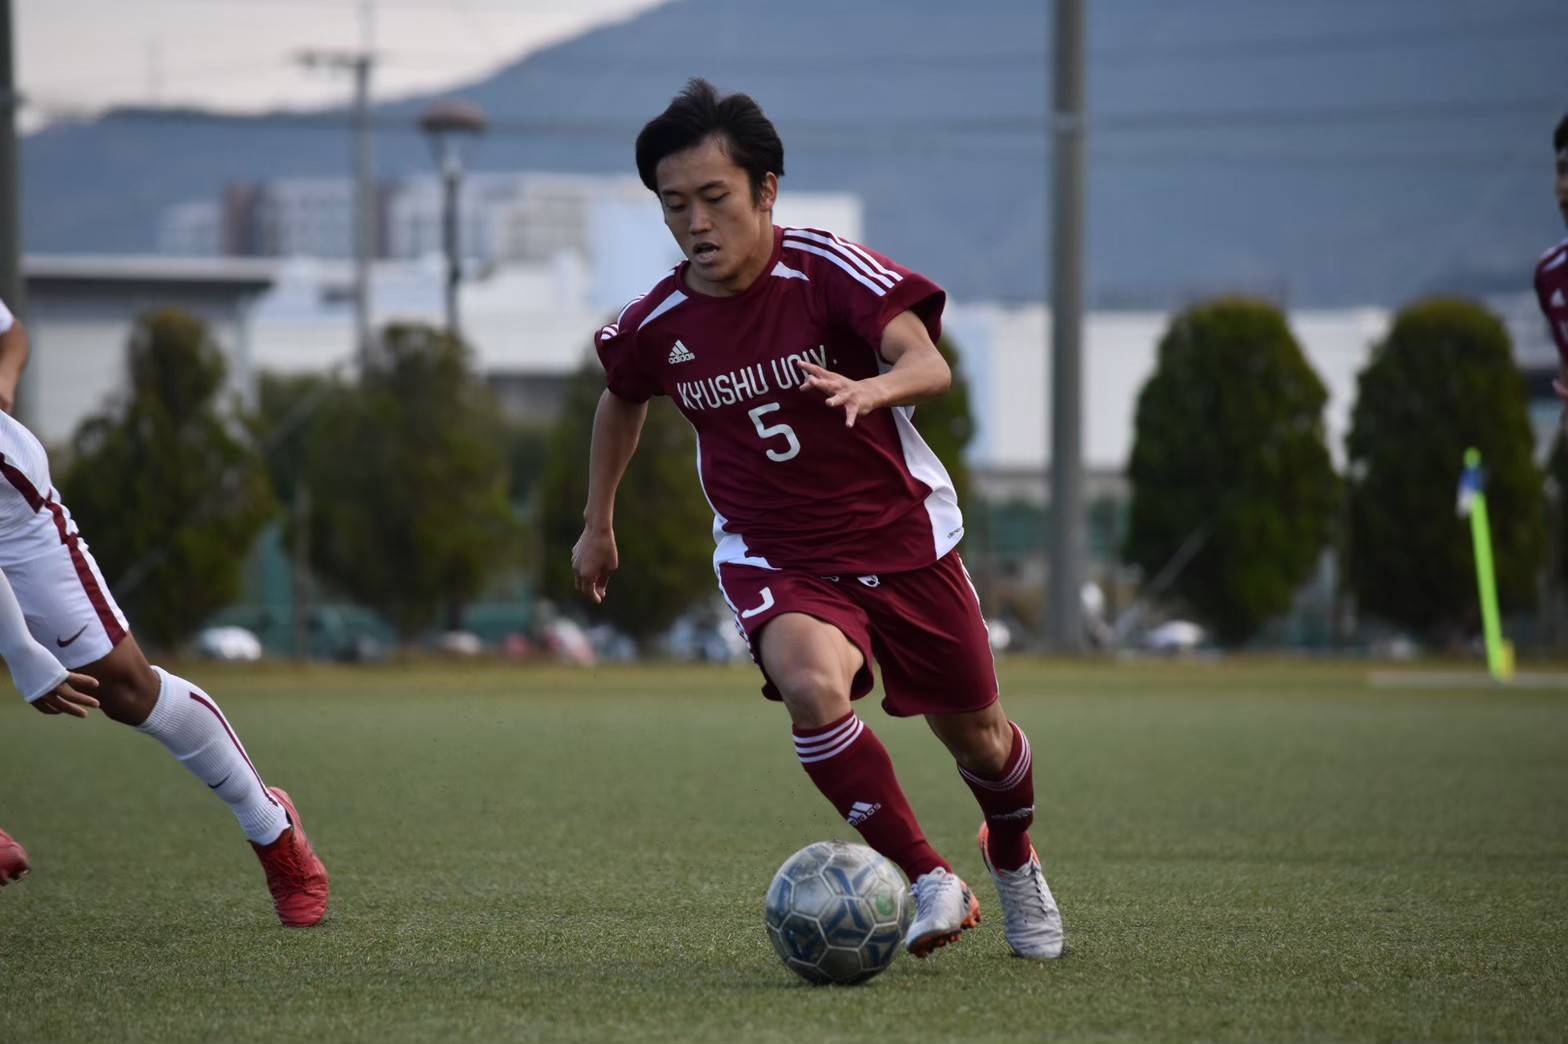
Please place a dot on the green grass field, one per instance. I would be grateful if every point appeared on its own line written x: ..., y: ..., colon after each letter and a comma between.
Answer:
x: 1244, y: 851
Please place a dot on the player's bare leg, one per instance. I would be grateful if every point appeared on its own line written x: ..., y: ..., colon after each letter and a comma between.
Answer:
x: 994, y: 759
x: 190, y: 725
x: 13, y: 859
x: 814, y: 666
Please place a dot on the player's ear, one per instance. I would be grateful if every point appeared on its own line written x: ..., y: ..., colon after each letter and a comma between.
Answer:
x: 768, y: 191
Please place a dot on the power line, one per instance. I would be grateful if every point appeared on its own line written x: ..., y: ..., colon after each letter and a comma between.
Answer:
x: 613, y: 129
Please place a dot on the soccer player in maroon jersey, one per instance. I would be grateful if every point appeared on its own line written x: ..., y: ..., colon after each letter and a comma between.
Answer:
x: 797, y: 357
x: 1551, y: 272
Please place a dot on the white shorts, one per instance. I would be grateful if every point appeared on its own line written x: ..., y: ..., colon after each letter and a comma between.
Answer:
x: 63, y: 596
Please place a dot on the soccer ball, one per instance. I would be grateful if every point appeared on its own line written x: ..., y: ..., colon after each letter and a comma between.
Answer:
x: 837, y: 912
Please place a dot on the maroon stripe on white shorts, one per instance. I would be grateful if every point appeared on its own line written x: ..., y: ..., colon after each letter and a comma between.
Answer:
x: 84, y: 573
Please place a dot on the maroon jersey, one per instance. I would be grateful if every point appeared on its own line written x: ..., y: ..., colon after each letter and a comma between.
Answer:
x: 790, y: 485
x: 1551, y: 289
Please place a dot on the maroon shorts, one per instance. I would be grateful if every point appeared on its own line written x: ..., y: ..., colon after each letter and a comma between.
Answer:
x: 923, y: 626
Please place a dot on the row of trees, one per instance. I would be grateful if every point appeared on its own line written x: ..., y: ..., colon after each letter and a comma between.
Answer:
x: 1235, y: 493
x: 396, y: 483
x: 404, y: 489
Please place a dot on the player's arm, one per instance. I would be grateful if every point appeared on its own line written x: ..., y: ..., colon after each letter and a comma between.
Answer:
x: 14, y: 350
x: 617, y: 425
x: 918, y: 372
x: 39, y: 677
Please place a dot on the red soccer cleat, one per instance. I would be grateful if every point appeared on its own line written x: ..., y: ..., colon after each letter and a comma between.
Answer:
x: 13, y: 860
x: 295, y: 875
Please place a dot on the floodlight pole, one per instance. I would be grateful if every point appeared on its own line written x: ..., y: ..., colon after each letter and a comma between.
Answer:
x: 442, y: 122
x: 451, y: 186
x: 1064, y: 607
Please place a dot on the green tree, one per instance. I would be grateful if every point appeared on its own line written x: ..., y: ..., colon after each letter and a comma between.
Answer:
x: 1229, y: 454
x: 1443, y: 380
x: 169, y: 494
x: 407, y: 478
x: 663, y: 528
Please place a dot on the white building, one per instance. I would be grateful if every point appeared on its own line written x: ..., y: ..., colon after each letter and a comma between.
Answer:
x: 191, y: 229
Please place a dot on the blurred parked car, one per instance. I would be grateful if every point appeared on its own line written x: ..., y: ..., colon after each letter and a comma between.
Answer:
x: 228, y: 643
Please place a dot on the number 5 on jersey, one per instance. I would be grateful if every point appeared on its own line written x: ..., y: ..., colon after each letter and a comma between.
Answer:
x: 773, y: 431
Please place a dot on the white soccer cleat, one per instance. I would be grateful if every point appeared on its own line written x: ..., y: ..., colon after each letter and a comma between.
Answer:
x: 944, y: 908
x: 1030, y: 919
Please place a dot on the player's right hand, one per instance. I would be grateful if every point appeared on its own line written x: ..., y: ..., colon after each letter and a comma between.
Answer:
x: 594, y: 558
x: 66, y: 697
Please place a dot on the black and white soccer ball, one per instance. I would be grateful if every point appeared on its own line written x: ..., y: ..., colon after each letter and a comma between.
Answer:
x: 837, y: 912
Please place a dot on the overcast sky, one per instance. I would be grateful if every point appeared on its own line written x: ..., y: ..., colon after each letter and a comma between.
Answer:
x: 75, y: 57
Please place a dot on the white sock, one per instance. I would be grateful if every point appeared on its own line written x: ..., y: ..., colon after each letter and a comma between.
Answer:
x: 188, y: 722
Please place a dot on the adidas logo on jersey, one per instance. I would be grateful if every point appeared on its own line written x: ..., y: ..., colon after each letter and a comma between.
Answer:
x: 680, y: 353
x: 1557, y: 299
x: 861, y: 811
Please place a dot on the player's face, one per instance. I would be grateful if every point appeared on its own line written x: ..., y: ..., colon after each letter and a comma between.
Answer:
x: 1562, y: 182
x: 725, y: 234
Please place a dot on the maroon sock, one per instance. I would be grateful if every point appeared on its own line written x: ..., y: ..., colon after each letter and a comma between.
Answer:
x: 852, y: 769
x: 1008, y: 804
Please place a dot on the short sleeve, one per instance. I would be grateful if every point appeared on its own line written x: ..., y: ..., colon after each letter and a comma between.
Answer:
x: 867, y: 290
x: 624, y: 373
x: 1557, y: 327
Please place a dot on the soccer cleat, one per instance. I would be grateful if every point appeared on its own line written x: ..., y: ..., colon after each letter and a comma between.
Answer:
x: 1030, y: 919
x: 944, y: 908
x: 13, y: 860
x: 295, y: 875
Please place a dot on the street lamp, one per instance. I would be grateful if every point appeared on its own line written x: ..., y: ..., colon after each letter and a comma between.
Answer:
x: 443, y: 123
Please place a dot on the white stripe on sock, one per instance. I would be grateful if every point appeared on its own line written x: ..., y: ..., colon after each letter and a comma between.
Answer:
x: 816, y: 754
x: 1012, y: 779
x: 808, y: 744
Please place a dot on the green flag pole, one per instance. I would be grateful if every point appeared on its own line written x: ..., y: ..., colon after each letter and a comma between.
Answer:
x: 1499, y: 652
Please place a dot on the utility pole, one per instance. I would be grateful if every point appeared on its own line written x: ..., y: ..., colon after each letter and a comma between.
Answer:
x: 13, y: 282
x: 358, y: 63
x: 1064, y: 608
x: 11, y: 286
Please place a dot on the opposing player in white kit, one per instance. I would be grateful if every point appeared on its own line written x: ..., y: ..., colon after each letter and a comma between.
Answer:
x: 69, y: 649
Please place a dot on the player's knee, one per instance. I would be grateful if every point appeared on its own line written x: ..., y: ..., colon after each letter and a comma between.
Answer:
x: 814, y: 695
x: 983, y: 747
x: 127, y: 695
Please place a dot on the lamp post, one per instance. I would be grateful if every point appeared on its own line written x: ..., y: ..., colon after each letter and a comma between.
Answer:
x: 443, y: 123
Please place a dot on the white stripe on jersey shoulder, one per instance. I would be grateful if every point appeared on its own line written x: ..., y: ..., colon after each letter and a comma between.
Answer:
x: 837, y: 259
x: 614, y: 329
x: 675, y: 298
x: 1548, y: 262
x: 854, y: 251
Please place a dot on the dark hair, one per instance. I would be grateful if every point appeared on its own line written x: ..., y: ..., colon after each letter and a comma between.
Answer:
x: 700, y: 111
x: 1560, y: 135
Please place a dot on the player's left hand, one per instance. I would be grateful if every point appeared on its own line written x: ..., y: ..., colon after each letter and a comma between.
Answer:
x: 69, y: 697
x: 857, y: 397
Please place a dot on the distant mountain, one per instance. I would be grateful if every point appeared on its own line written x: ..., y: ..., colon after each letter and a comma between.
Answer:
x: 1327, y: 153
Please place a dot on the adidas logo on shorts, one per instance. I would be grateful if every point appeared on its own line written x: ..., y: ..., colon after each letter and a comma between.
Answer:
x: 680, y: 353
x: 861, y: 811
